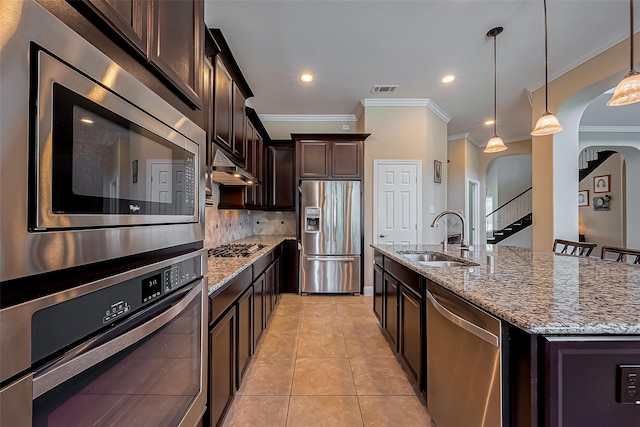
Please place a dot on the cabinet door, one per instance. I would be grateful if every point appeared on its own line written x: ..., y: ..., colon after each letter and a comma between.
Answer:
x: 223, y: 106
x: 222, y: 341
x: 281, y: 177
x: 250, y: 161
x: 259, y: 190
x: 276, y: 278
x: 290, y: 267
x: 378, y: 293
x: 269, y: 302
x: 411, y: 333
x: 129, y: 18
x: 258, y: 308
x: 177, y: 44
x: 314, y: 159
x: 346, y: 159
x: 239, y: 145
x: 391, y: 307
x: 586, y: 384
x: 245, y: 333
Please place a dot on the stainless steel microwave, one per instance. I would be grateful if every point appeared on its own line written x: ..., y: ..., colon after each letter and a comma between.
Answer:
x: 94, y: 165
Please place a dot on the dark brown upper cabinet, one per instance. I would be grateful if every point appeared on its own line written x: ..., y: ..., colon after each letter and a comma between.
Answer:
x: 281, y: 183
x: 330, y: 156
x: 168, y: 34
x: 223, y: 106
x: 129, y: 18
x: 239, y: 145
x: 177, y: 44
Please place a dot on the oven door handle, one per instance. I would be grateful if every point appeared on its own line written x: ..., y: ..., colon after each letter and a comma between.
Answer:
x: 96, y: 350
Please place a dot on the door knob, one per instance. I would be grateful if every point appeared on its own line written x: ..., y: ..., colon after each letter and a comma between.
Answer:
x: 382, y: 235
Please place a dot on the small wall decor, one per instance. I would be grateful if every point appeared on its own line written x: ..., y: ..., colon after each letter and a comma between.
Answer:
x: 601, y: 203
x: 583, y: 198
x: 601, y: 184
x: 437, y: 171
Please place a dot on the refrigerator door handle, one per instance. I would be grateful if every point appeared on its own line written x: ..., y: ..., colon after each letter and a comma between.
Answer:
x: 335, y: 216
x: 332, y: 259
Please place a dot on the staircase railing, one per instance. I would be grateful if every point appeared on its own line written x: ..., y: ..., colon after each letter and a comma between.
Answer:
x: 509, y: 213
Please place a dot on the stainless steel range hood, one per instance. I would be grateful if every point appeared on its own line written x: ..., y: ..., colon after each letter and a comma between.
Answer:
x: 225, y: 172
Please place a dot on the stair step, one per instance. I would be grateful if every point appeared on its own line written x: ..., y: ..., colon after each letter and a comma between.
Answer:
x: 507, y: 229
x: 498, y: 233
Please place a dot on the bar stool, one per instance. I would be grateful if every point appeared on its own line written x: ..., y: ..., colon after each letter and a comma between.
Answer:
x: 622, y: 253
x: 573, y: 248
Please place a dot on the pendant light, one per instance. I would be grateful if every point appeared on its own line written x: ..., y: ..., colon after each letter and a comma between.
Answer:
x: 547, y: 124
x: 495, y: 143
x: 628, y: 90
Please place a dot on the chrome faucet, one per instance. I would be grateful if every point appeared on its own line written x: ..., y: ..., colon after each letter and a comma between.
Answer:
x: 464, y: 245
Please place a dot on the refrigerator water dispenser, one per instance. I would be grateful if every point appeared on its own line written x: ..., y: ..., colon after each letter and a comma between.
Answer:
x: 312, y: 220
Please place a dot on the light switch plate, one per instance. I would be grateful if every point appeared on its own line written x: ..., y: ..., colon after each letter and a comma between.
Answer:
x: 432, y: 209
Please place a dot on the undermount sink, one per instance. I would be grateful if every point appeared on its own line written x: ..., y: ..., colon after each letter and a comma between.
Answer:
x: 442, y: 263
x: 425, y: 257
x: 435, y: 259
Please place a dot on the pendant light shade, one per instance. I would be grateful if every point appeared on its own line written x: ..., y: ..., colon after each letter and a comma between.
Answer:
x: 548, y: 124
x: 628, y: 90
x: 495, y: 143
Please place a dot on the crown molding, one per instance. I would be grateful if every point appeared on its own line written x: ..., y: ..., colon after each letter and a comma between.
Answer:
x: 408, y: 102
x: 458, y: 136
x: 610, y: 129
x: 308, y: 117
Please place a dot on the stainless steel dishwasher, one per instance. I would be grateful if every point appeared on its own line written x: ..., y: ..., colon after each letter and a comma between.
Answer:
x: 463, y: 362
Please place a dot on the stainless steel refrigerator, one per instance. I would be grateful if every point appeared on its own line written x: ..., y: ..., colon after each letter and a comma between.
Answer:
x: 331, y: 237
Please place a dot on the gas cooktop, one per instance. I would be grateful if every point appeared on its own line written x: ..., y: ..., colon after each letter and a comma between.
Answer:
x: 237, y: 250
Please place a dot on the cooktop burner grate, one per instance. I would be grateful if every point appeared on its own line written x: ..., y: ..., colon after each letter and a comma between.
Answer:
x: 236, y: 250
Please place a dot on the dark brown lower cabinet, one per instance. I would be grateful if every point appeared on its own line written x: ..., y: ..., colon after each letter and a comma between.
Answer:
x: 585, y: 383
x: 378, y: 292
x: 222, y: 363
x: 270, y: 290
x: 245, y: 333
x: 289, y: 265
x: 411, y: 332
x: 258, y: 307
x: 391, y: 287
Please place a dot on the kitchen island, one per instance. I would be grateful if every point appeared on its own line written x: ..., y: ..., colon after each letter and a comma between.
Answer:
x: 568, y: 328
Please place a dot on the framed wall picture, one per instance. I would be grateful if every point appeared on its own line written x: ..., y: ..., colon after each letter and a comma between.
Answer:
x: 583, y: 198
x: 437, y: 171
x: 602, y: 184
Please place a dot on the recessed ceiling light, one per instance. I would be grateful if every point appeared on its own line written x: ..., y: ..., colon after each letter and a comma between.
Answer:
x: 86, y: 120
x: 306, y: 77
x: 448, y: 78
x: 489, y: 122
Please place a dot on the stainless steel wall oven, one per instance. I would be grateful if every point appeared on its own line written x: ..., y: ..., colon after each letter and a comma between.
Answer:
x: 129, y: 349
x: 102, y: 292
x: 95, y: 166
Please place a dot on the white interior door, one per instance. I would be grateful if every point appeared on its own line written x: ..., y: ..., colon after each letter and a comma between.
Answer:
x: 473, y: 212
x: 397, y: 201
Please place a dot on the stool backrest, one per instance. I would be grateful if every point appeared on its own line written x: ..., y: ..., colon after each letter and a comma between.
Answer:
x: 573, y: 248
x: 622, y: 254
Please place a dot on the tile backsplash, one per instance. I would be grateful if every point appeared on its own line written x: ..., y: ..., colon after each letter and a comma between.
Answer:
x: 224, y: 226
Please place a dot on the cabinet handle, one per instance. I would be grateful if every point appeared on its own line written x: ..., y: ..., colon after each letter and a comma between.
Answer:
x: 382, y: 235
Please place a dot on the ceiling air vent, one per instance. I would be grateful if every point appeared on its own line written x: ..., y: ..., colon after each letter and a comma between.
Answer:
x: 383, y: 88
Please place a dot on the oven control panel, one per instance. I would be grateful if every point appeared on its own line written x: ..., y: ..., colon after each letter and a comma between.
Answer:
x: 86, y: 314
x: 149, y: 288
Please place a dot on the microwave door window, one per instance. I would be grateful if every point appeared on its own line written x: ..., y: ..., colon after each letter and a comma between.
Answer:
x: 106, y: 164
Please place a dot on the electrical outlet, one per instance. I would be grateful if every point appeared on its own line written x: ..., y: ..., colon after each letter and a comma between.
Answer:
x: 628, y: 382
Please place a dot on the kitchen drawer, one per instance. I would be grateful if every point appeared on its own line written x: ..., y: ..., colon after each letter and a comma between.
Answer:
x: 261, y: 264
x: 220, y: 301
x: 409, y: 278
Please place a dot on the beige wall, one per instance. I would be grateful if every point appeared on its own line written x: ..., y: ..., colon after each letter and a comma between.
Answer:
x: 284, y: 129
x: 404, y: 133
x: 605, y: 227
x: 555, y: 157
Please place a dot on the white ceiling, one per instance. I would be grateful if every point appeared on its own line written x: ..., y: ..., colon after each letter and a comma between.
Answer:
x: 350, y: 45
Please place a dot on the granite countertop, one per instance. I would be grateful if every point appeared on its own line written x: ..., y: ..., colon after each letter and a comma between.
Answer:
x: 221, y: 270
x: 539, y: 291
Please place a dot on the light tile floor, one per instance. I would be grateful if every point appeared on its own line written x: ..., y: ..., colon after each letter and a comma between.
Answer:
x: 324, y: 362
